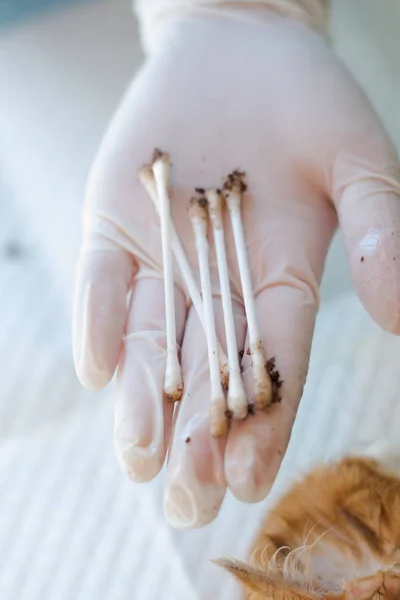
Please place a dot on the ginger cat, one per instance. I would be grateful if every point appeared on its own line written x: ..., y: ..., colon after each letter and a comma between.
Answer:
x: 334, y: 535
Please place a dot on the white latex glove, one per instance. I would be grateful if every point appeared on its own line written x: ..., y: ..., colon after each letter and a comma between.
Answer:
x: 222, y: 90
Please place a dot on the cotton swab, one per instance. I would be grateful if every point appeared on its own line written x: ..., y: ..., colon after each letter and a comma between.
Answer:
x: 218, y: 409
x: 234, y: 186
x: 237, y: 399
x: 146, y: 178
x: 173, y: 385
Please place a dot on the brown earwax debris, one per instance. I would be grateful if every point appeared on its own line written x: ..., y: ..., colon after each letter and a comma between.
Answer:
x: 228, y: 414
x: 157, y: 153
x: 276, y: 380
x: 235, y: 179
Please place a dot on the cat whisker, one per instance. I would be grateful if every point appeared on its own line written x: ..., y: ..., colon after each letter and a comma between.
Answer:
x: 310, y: 532
x: 350, y: 552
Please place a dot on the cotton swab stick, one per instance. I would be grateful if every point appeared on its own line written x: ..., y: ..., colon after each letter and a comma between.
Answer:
x: 218, y: 409
x: 237, y: 399
x: 146, y: 178
x: 234, y: 186
x: 173, y: 385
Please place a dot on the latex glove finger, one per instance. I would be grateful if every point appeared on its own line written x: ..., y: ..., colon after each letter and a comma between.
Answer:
x: 195, y: 485
x: 290, y: 267
x: 257, y: 445
x: 100, y: 307
x: 143, y: 418
x: 366, y: 191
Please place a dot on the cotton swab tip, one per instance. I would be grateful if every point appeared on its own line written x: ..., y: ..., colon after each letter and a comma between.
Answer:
x: 233, y: 188
x: 198, y: 208
x: 173, y: 384
x: 161, y: 166
x: 160, y: 157
x: 237, y: 404
x: 219, y: 417
x: 215, y: 205
x: 262, y: 381
x: 224, y: 372
x: 145, y: 174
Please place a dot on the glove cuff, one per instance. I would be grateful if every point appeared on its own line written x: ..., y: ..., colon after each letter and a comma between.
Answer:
x: 152, y: 13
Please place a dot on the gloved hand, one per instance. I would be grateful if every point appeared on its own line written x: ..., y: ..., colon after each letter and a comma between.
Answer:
x: 265, y: 94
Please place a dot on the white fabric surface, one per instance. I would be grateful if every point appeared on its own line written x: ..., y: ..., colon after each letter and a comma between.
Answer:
x: 72, y: 526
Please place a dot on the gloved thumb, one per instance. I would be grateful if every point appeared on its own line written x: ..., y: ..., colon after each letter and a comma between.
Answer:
x: 366, y: 192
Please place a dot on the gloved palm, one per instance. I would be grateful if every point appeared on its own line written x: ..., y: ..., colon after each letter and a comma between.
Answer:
x: 271, y: 99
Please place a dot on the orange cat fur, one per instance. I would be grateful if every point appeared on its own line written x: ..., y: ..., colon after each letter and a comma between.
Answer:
x: 334, y: 535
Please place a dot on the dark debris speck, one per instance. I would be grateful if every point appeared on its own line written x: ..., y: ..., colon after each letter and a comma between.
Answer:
x: 203, y: 202
x: 236, y: 178
x: 251, y: 408
x: 157, y: 153
x: 275, y: 379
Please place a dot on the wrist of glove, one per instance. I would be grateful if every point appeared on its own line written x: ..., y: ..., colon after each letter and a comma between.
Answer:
x: 155, y: 16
